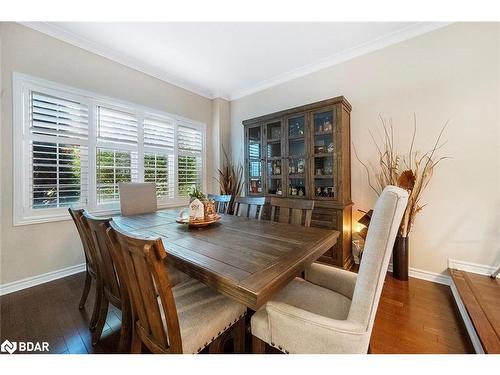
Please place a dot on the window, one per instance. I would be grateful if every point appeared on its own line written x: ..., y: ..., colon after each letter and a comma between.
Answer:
x: 73, y: 148
x: 189, y: 159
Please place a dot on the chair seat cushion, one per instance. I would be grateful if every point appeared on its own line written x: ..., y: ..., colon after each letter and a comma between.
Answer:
x: 306, y: 296
x: 204, y: 314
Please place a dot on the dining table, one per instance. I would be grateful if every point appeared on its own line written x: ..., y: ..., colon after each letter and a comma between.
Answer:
x: 245, y: 259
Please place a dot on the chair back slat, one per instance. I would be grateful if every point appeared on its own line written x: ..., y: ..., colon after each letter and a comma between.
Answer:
x: 87, y: 243
x: 147, y: 279
x: 106, y: 266
x: 250, y: 207
x: 292, y: 211
x: 221, y: 202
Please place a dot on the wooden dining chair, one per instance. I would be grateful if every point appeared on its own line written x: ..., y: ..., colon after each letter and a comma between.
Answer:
x: 137, y: 198
x: 221, y: 202
x: 90, y: 268
x: 181, y: 319
x: 292, y: 211
x: 250, y: 207
x: 114, y: 290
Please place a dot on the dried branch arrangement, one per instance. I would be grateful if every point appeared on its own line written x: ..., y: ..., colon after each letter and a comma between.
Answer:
x: 230, y: 180
x: 412, y: 171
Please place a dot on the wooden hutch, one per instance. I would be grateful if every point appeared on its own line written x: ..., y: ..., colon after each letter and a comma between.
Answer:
x: 305, y: 153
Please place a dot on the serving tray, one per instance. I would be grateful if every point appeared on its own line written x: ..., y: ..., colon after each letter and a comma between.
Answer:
x: 198, y: 223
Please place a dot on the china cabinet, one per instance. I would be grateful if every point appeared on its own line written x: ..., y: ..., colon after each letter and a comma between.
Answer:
x: 304, y: 153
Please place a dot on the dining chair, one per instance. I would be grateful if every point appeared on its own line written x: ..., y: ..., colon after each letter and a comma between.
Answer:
x: 333, y: 310
x: 90, y: 268
x: 137, y: 198
x: 184, y: 318
x: 140, y: 198
x: 292, y: 211
x: 114, y: 290
x: 250, y: 207
x: 221, y: 202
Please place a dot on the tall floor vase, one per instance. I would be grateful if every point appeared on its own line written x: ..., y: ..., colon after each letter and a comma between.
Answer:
x: 400, y: 258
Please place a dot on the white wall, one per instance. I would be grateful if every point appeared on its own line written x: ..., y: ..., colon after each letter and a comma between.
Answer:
x: 449, y: 74
x: 37, y: 249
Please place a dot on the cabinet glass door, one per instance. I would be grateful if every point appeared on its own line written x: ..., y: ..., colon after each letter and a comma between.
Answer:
x: 297, y: 157
x: 274, y: 167
x: 324, y: 155
x: 255, y: 160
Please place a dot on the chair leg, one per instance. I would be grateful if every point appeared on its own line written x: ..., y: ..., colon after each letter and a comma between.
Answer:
x: 258, y: 346
x: 86, y: 289
x: 239, y: 336
x: 101, y: 320
x: 216, y: 346
x: 125, y: 330
x: 99, y: 292
x: 136, y: 344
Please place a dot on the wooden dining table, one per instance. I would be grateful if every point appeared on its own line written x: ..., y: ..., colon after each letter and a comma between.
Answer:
x: 245, y: 259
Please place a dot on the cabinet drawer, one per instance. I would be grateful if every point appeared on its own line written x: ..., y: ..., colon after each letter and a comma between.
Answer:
x: 325, y: 218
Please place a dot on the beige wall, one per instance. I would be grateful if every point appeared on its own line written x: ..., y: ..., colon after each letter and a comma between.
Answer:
x: 221, y: 130
x: 37, y: 249
x: 449, y: 74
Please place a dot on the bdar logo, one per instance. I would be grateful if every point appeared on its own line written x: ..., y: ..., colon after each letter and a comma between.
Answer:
x: 8, y: 346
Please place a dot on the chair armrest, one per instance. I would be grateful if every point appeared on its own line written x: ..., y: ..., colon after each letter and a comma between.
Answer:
x: 336, y: 279
x: 299, y: 331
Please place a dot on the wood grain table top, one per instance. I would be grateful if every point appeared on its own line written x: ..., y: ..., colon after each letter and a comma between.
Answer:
x: 248, y: 260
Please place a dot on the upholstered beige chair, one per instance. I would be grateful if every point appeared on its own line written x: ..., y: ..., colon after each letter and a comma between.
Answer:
x: 332, y: 310
x: 137, y: 198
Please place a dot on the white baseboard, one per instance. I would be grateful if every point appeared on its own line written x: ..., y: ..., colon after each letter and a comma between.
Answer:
x: 426, y: 275
x: 471, y: 267
x: 476, y: 343
x: 40, y: 279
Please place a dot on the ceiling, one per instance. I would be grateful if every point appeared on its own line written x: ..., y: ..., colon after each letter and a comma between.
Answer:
x: 231, y: 60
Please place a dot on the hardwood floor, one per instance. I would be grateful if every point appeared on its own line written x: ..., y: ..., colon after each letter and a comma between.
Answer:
x: 418, y: 316
x: 413, y: 317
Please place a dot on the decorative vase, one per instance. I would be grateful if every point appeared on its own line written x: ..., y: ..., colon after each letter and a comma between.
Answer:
x: 400, y: 258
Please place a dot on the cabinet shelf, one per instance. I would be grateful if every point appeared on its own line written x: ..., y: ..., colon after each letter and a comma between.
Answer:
x: 329, y: 132
x: 323, y: 176
x: 298, y: 136
x: 274, y: 140
x: 324, y: 154
x: 275, y: 176
x: 297, y: 175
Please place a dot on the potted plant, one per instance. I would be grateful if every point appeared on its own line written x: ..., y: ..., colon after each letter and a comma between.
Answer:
x: 411, y: 171
x: 230, y: 180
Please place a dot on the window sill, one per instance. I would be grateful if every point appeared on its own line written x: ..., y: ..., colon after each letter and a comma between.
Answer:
x: 42, y: 219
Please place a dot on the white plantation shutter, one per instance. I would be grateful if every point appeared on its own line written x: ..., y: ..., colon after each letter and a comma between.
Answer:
x: 72, y: 148
x: 158, y: 138
x: 159, y: 133
x: 189, y: 159
x: 116, y: 126
x: 116, y: 153
x: 58, y: 149
x: 53, y: 116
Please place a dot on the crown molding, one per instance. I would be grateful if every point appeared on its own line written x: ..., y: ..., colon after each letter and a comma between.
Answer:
x: 365, y: 48
x: 88, y: 45
x: 401, y: 35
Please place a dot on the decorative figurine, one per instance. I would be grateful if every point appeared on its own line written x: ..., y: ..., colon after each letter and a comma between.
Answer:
x: 196, y: 210
x: 300, y: 166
